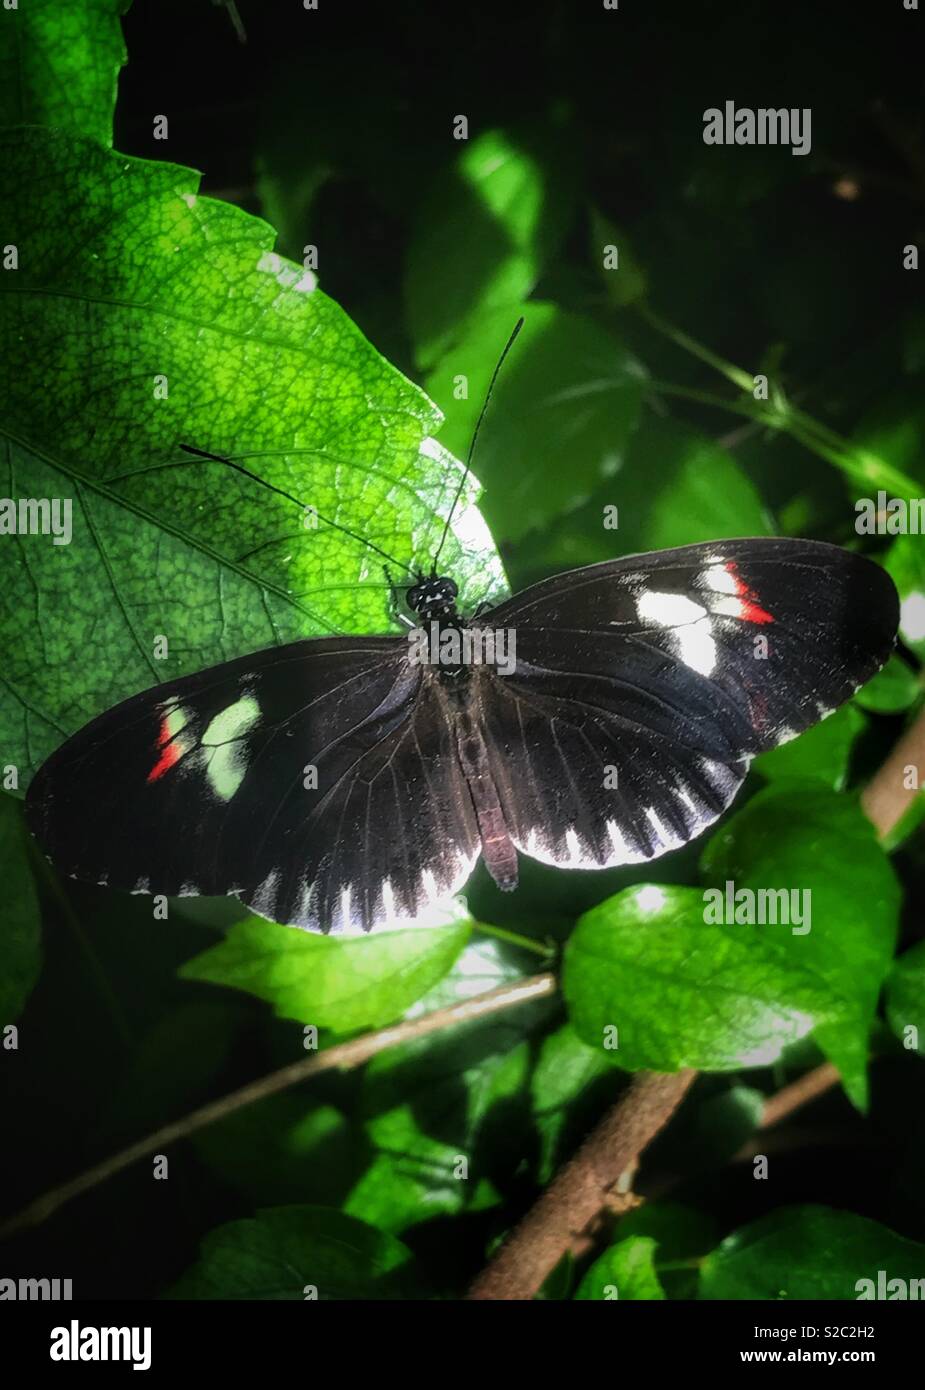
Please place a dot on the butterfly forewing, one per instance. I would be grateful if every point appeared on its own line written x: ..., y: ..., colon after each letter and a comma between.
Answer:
x: 644, y: 685
x: 284, y: 777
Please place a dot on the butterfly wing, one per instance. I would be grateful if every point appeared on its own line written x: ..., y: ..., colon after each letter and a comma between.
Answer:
x: 643, y: 686
x: 318, y: 782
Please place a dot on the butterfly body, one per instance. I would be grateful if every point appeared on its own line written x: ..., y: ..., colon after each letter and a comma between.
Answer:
x: 344, y: 783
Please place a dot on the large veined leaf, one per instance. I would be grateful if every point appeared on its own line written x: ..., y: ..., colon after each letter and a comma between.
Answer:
x: 59, y: 64
x: 142, y: 316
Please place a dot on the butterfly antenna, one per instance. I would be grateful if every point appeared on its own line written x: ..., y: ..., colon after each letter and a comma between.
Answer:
x: 281, y: 492
x: 475, y: 434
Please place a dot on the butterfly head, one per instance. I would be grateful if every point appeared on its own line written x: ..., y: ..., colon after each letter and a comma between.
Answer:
x: 433, y: 597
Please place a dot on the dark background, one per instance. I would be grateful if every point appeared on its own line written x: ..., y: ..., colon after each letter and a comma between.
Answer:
x: 746, y: 252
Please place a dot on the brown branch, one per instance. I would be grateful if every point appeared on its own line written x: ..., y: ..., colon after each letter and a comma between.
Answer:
x: 886, y: 798
x: 579, y: 1191
x: 799, y: 1093
x: 342, y: 1055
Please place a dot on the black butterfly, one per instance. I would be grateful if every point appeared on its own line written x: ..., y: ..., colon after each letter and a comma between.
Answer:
x: 339, y: 784
x: 599, y: 718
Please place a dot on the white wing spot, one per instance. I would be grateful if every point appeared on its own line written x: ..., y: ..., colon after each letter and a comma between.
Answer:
x: 697, y: 646
x: 718, y: 579
x: 657, y: 826
x: 574, y: 845
x: 668, y: 610
x: 616, y: 839
x: 429, y: 884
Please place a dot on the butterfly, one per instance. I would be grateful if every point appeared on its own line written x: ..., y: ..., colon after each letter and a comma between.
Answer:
x: 601, y: 717
x: 339, y: 784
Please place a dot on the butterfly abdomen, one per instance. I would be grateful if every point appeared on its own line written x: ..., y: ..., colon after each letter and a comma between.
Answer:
x: 497, y: 846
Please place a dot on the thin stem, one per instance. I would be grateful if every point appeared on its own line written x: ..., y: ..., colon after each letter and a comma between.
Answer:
x: 525, y: 943
x: 737, y: 375
x: 865, y: 469
x: 859, y: 465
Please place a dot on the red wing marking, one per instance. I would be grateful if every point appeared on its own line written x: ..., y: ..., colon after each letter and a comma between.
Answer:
x: 751, y: 611
x: 170, y: 752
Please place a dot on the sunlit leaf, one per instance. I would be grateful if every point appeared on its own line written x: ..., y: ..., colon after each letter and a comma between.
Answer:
x: 342, y: 983
x: 162, y: 318
x: 484, y: 233
x: 625, y: 1271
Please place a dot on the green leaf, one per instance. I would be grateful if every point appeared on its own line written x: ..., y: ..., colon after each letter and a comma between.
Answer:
x: 563, y: 410
x: 20, y: 922
x: 699, y: 493
x: 488, y: 226
x: 59, y: 64
x: 702, y: 493
x: 626, y: 1270
x: 684, y: 992
x: 822, y: 752
x: 565, y: 1075
x: 810, y: 1252
x: 130, y: 285
x: 283, y: 1251
x: 340, y: 983
x: 905, y: 998
x: 892, y: 690
x: 805, y: 838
